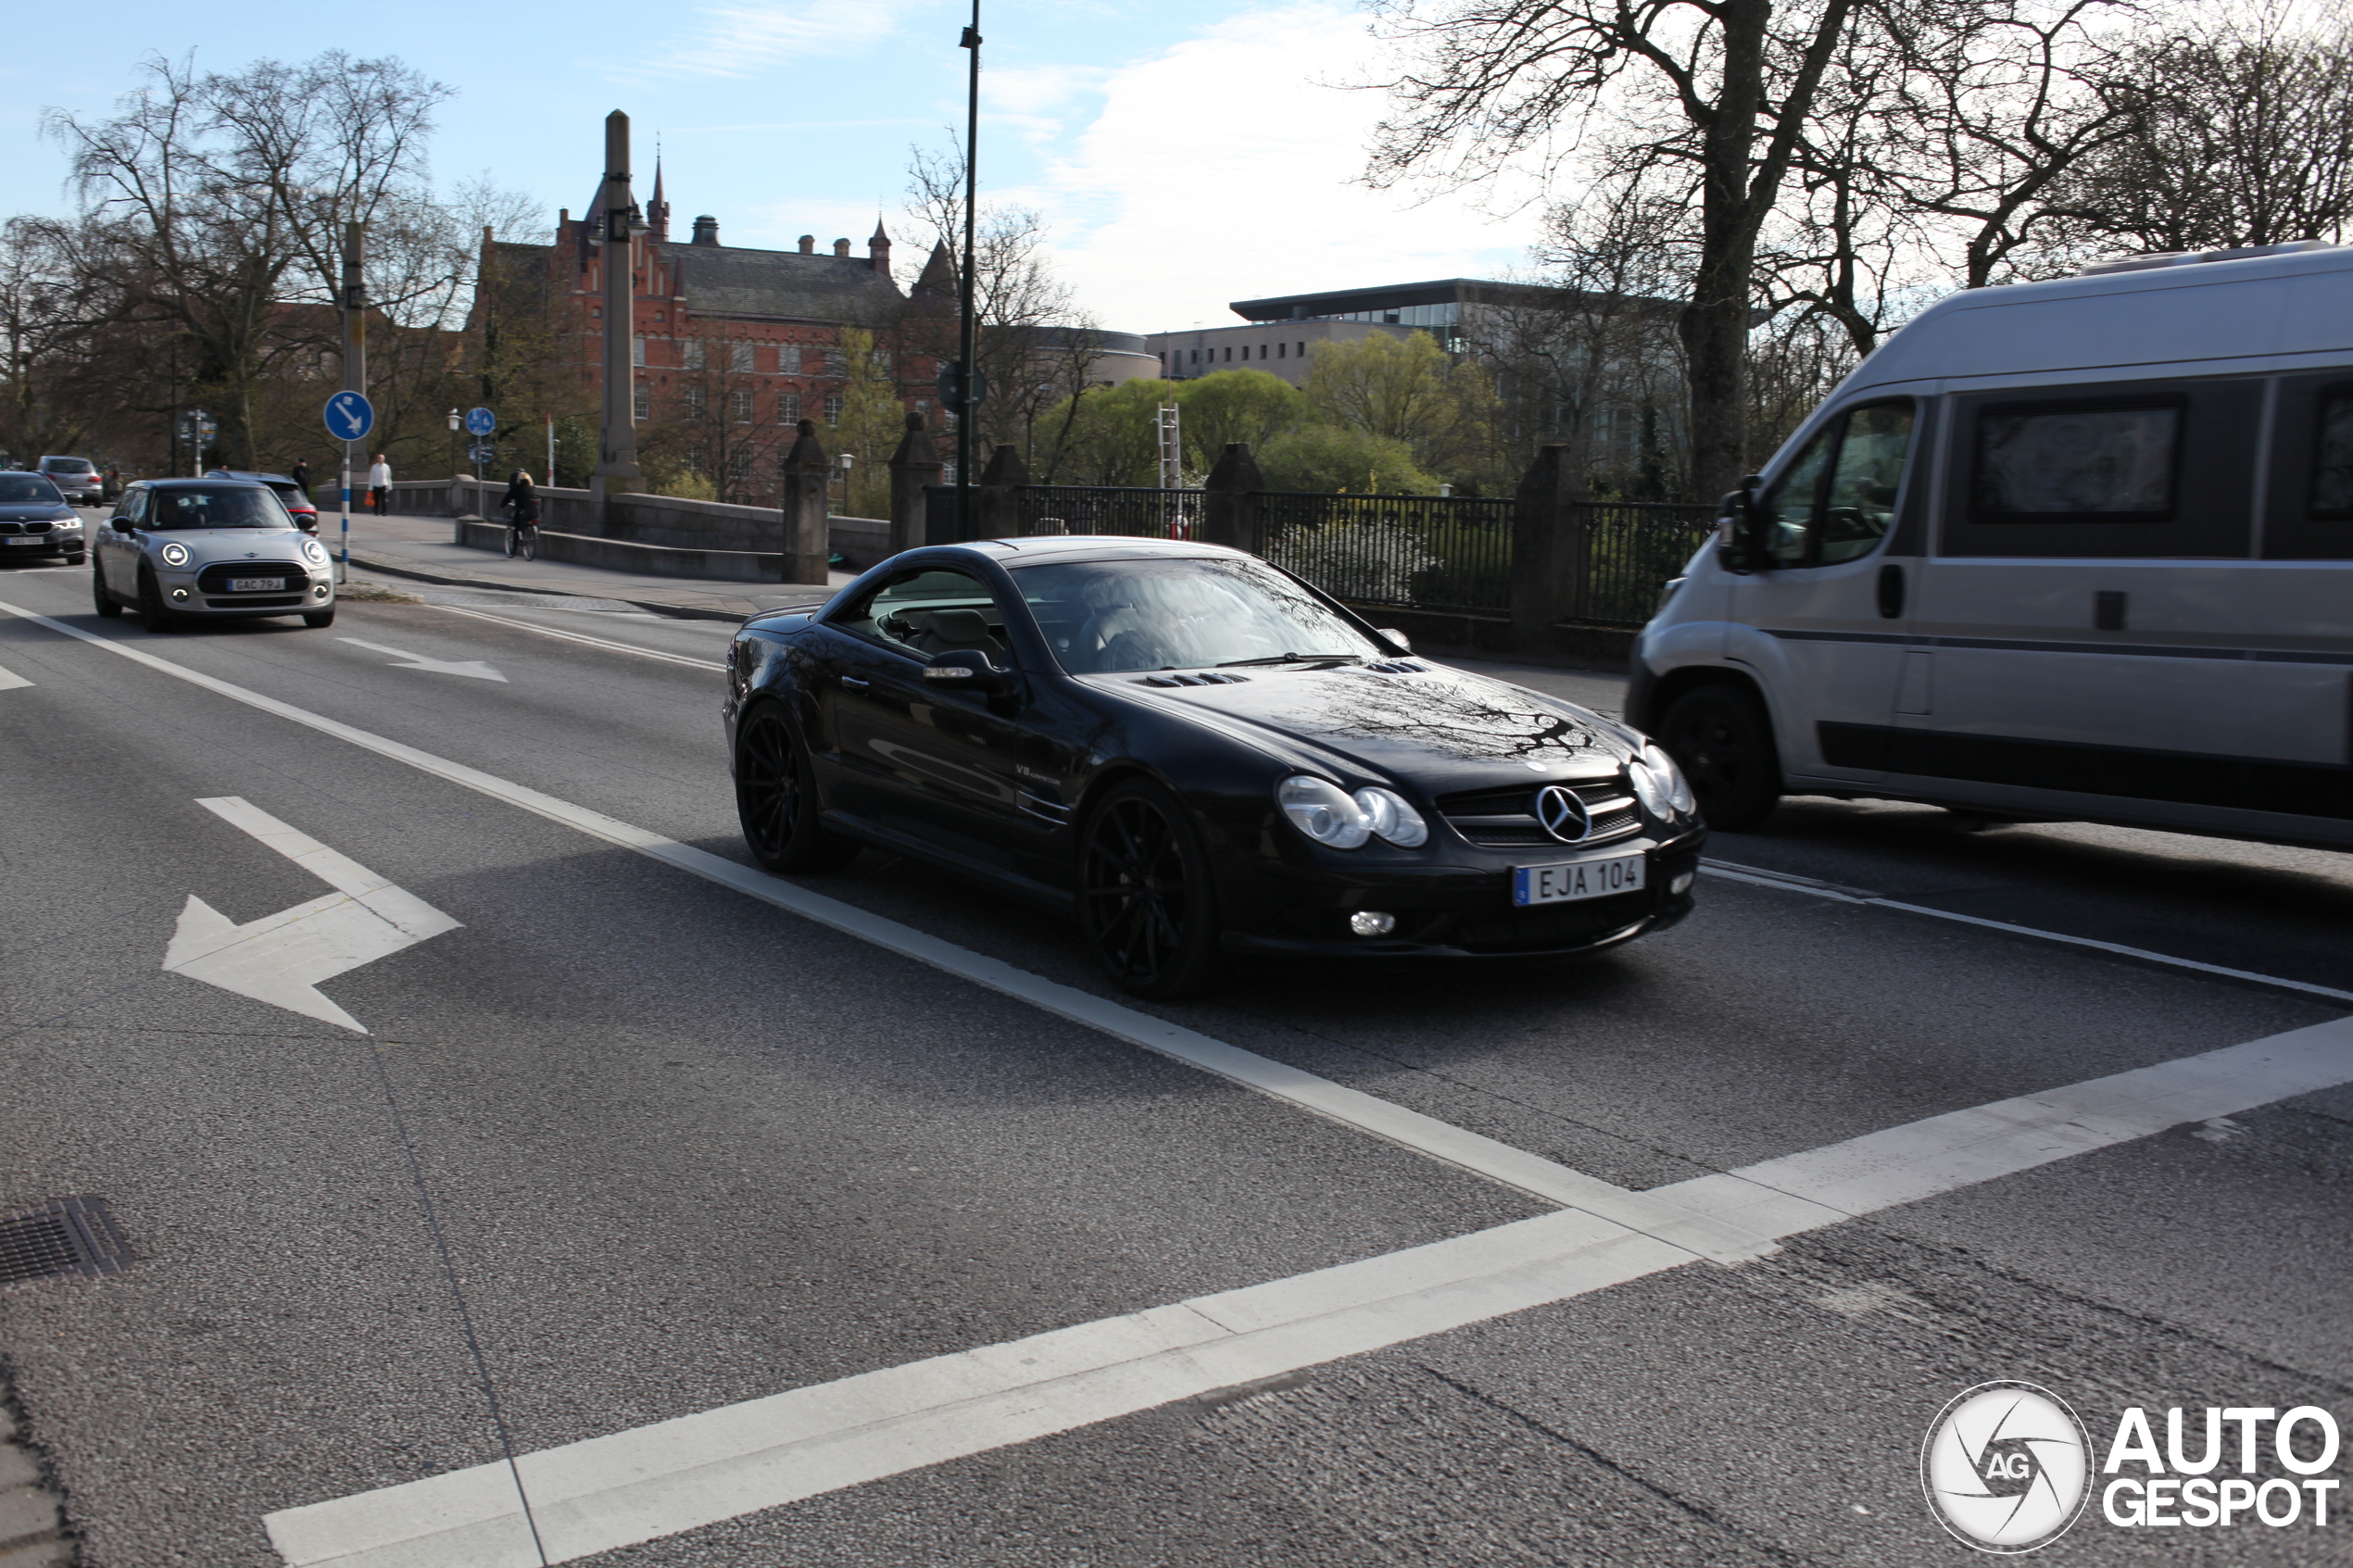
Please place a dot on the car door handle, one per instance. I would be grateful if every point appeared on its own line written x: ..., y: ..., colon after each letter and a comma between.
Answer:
x: 853, y: 683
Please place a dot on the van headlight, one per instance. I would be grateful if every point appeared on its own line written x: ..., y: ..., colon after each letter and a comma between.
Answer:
x: 1659, y: 785
x: 1332, y: 816
x: 174, y: 554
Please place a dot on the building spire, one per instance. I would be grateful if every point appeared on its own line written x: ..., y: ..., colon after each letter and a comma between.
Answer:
x: 657, y: 209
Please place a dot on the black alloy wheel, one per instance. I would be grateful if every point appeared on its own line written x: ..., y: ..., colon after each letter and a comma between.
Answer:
x: 103, y: 601
x: 1144, y: 896
x: 774, y: 799
x: 1724, y: 743
x: 158, y: 616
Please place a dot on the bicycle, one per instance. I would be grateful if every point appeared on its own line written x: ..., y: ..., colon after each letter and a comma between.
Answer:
x: 522, y: 538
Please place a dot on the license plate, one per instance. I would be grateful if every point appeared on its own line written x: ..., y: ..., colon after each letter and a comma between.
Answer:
x: 256, y: 585
x: 37, y: 541
x: 1578, y: 879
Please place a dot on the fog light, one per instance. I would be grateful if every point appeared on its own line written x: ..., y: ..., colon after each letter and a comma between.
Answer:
x: 1679, y: 883
x: 179, y: 592
x: 318, y: 590
x: 1372, y: 923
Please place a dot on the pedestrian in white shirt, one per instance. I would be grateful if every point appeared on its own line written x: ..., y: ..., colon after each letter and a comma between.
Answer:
x: 379, y: 483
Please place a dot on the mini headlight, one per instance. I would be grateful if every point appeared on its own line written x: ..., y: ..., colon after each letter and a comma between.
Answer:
x: 1323, y: 811
x: 314, y: 552
x: 1679, y: 788
x: 1392, y: 817
x: 175, y: 554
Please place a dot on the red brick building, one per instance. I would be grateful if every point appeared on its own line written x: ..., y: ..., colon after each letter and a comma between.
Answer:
x: 734, y: 345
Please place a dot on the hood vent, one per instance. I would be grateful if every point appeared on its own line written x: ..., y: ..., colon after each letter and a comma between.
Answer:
x: 1399, y: 667
x: 1205, y: 678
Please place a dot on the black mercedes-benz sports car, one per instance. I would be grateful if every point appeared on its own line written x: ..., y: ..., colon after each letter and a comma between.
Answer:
x: 1196, y: 754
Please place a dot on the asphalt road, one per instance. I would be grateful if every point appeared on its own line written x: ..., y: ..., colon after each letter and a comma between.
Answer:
x: 629, y: 1145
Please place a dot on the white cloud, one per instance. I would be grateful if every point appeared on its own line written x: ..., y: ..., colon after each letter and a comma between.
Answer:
x: 741, y: 38
x: 1225, y: 169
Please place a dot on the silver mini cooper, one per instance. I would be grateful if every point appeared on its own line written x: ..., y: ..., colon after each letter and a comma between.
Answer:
x: 185, y: 550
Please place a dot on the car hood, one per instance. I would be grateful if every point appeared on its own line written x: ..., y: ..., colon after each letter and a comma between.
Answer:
x: 1438, y: 729
x: 33, y: 511
x: 207, y: 545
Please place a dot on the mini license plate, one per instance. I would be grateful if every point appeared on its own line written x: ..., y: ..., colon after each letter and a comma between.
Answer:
x: 1578, y: 879
x: 256, y: 585
x: 21, y: 539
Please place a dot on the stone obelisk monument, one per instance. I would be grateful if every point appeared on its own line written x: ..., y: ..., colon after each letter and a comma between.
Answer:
x: 617, y: 471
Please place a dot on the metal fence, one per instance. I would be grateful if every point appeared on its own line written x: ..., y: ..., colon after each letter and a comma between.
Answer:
x: 1450, y: 553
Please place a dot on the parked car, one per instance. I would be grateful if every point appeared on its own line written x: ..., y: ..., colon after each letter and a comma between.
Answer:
x: 2080, y: 549
x: 1195, y: 754
x: 184, y: 549
x: 76, y: 477
x: 35, y: 520
x: 304, y: 510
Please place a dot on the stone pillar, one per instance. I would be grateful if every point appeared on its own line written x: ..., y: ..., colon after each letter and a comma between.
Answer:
x: 616, y: 472
x: 1230, y: 500
x: 1549, y: 542
x: 914, y: 466
x: 997, y: 509
x: 807, y: 476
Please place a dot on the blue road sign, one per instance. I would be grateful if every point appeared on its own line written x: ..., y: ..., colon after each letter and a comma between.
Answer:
x: 481, y: 421
x: 351, y: 416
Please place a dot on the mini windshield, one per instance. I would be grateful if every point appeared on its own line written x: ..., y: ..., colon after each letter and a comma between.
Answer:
x: 242, y: 506
x: 17, y: 489
x: 1113, y: 616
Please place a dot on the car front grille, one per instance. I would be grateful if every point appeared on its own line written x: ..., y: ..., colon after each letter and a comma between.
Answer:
x: 214, y: 579
x: 1505, y: 819
x: 24, y: 527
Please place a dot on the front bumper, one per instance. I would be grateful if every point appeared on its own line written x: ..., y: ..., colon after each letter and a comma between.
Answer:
x: 295, y: 601
x: 56, y: 542
x: 1454, y: 912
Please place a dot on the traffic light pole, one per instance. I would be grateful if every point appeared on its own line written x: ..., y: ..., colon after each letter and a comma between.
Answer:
x: 966, y: 379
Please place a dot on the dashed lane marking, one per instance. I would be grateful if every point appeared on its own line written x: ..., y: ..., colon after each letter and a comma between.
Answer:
x: 1813, y: 889
x: 641, y: 1485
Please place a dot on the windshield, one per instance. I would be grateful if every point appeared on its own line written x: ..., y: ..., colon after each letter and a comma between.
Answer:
x: 67, y: 465
x: 244, y: 506
x: 19, y: 488
x: 1114, y: 616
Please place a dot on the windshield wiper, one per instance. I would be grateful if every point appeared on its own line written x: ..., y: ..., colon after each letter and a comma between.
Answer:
x: 1291, y: 659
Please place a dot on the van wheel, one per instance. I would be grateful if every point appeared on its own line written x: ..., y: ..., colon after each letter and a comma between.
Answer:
x: 1722, y: 740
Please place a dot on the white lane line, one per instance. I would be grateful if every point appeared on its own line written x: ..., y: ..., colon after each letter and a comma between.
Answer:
x: 10, y: 679
x: 641, y: 1485
x: 473, y: 669
x: 583, y: 638
x: 1427, y: 1136
x: 281, y: 959
x: 1812, y: 889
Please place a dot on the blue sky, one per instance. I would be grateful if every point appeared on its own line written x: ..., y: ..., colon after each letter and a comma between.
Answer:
x: 1183, y: 156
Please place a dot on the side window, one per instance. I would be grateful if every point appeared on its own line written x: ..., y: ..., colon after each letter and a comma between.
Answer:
x: 927, y: 613
x: 2075, y: 464
x: 2332, y: 492
x: 1835, y: 502
x: 134, y: 504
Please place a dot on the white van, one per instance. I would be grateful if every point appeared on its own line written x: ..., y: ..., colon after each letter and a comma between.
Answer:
x: 2074, y: 550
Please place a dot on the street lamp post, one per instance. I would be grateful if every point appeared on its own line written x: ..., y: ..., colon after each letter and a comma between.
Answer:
x: 455, y: 418
x: 965, y: 374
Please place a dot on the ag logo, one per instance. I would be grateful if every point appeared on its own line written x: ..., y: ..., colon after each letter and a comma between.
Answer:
x: 2006, y: 1467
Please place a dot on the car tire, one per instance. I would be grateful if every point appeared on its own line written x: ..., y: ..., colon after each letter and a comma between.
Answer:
x: 319, y: 617
x: 776, y: 798
x: 75, y: 557
x: 158, y: 616
x: 1721, y: 738
x: 1144, y: 895
x: 100, y: 598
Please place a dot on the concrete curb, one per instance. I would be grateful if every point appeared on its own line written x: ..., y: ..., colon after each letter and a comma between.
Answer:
x: 676, y: 612
x: 33, y: 1528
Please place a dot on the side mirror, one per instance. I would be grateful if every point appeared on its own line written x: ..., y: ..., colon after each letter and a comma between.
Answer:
x: 968, y: 670
x: 1738, y: 548
x: 122, y: 524
x: 1396, y: 639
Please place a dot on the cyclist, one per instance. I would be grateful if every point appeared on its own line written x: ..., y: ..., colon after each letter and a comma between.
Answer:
x: 522, y: 513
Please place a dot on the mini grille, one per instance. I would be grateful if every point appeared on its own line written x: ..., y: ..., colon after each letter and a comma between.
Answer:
x: 65, y: 1236
x: 215, y: 579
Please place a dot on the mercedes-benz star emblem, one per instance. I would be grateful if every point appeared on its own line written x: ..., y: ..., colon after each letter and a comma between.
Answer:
x: 1560, y: 813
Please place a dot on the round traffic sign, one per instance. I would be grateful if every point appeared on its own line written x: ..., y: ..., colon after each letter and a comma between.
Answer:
x: 351, y: 416
x: 481, y: 421
x: 482, y: 453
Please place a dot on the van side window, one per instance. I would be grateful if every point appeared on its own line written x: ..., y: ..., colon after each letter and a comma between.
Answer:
x: 2075, y: 465
x: 2333, y: 455
x: 1835, y: 502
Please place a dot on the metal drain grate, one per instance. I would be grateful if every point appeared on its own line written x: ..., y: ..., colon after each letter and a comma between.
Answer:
x: 65, y: 1236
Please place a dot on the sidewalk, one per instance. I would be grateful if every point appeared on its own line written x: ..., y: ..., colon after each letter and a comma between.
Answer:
x: 419, y: 549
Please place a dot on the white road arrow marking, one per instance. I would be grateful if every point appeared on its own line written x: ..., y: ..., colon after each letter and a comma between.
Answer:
x: 281, y: 959
x: 472, y: 667
x: 10, y: 679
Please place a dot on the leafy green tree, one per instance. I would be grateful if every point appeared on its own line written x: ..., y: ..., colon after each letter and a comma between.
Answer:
x: 1111, y: 436
x: 1403, y: 388
x: 1330, y: 459
x: 1230, y: 405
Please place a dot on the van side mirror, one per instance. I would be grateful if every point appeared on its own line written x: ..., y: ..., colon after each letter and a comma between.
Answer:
x: 1739, y: 528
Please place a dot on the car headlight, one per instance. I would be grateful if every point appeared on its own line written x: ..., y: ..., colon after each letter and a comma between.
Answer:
x: 314, y: 552
x: 174, y: 554
x: 1330, y: 816
x: 1659, y: 785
